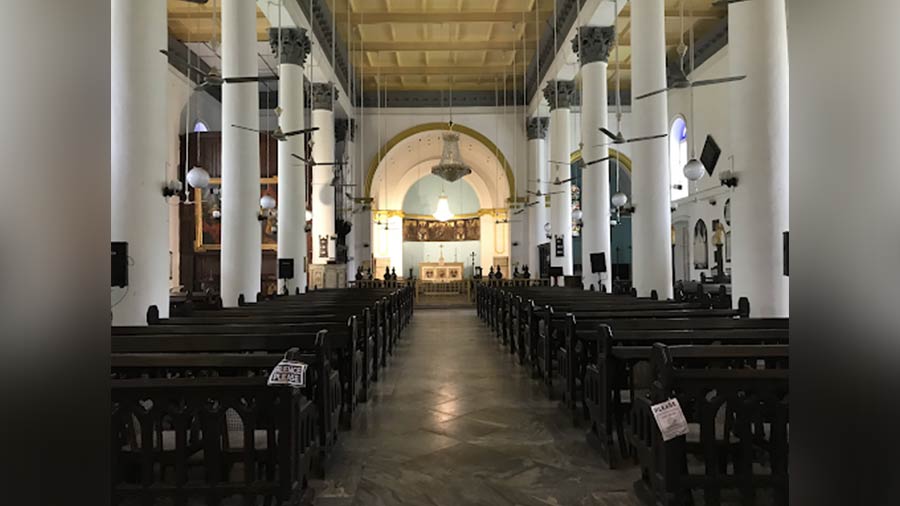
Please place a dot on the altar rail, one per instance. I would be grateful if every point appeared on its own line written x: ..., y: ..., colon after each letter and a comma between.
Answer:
x: 465, y: 286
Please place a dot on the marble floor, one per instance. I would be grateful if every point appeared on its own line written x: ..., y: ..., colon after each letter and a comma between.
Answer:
x: 454, y: 421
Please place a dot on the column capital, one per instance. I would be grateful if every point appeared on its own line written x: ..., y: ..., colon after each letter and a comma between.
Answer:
x: 596, y: 43
x: 321, y: 95
x: 295, y: 45
x: 559, y: 93
x: 344, y: 130
x: 537, y: 127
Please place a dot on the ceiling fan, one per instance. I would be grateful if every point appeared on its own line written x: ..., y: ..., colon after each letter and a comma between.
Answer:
x: 682, y: 82
x: 541, y: 194
x: 619, y: 138
x: 319, y: 164
x: 213, y: 77
x: 278, y: 134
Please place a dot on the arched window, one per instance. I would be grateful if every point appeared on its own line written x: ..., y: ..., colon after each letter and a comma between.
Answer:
x: 678, y: 158
x: 200, y: 126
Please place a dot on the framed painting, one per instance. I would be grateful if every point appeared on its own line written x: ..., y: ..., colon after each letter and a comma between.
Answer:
x: 207, y: 216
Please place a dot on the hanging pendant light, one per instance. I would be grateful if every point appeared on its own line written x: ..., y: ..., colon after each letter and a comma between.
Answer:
x: 451, y: 167
x: 267, y: 202
x: 443, y: 213
x: 577, y: 214
x: 197, y: 177
x: 694, y: 169
x: 619, y: 199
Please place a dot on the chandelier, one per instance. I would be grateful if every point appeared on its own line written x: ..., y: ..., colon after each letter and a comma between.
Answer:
x: 451, y: 167
x: 443, y: 212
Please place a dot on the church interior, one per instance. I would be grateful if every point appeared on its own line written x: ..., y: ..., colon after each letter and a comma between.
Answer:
x: 467, y: 252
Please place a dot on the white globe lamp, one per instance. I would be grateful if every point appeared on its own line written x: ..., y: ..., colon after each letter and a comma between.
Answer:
x: 694, y: 169
x: 619, y: 199
x: 197, y: 177
x: 267, y: 202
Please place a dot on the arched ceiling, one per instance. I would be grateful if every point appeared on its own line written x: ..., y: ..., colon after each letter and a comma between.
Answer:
x: 412, y: 157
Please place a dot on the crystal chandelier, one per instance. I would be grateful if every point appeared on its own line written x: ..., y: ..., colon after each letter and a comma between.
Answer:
x: 443, y: 212
x: 451, y: 167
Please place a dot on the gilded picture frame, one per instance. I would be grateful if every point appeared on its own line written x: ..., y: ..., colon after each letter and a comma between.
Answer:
x: 207, y: 229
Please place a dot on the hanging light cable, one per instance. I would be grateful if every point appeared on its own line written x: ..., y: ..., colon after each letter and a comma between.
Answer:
x: 693, y: 169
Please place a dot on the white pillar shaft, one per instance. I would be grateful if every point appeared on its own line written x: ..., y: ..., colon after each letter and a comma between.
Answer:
x: 652, y: 220
x: 241, y: 264
x: 537, y: 214
x: 138, y: 103
x: 759, y: 112
x: 353, y: 236
x: 595, y: 178
x: 322, y: 191
x: 291, y: 178
x: 561, y: 203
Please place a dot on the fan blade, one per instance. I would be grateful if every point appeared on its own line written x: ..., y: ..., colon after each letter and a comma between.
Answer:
x: 554, y: 193
x: 592, y: 162
x: 304, y: 160
x: 520, y: 211
x: 246, y: 128
x: 647, y: 138
x: 202, y: 86
x: 534, y: 193
x: 298, y: 132
x: 657, y: 92
x: 708, y: 82
x: 235, y: 80
x: 564, y: 181
x: 560, y: 163
x: 609, y: 134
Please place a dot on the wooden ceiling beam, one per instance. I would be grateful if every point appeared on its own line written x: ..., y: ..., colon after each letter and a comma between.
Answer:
x: 377, y: 18
x: 436, y: 70
x: 492, y: 45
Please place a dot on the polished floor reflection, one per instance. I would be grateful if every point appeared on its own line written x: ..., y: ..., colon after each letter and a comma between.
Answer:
x: 456, y: 422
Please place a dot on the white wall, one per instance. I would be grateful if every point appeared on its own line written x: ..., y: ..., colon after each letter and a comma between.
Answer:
x: 710, y: 117
x: 505, y: 127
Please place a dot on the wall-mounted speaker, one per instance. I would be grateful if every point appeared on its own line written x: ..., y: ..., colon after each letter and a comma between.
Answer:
x: 119, y: 257
x: 598, y: 262
x: 785, y: 246
x: 285, y: 268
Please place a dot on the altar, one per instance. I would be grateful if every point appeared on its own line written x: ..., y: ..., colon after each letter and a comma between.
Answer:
x: 441, y: 272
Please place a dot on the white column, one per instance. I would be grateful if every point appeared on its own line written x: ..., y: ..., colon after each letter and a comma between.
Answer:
x: 295, y: 47
x: 559, y: 96
x: 323, y: 152
x: 537, y: 170
x: 759, y: 111
x: 241, y: 265
x: 652, y: 219
x: 139, y: 212
x: 344, y: 136
x: 593, y: 47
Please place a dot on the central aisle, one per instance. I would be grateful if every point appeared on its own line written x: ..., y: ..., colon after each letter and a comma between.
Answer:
x: 455, y: 421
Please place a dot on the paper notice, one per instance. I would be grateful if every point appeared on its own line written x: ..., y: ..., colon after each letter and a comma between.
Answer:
x: 670, y: 419
x: 288, y: 373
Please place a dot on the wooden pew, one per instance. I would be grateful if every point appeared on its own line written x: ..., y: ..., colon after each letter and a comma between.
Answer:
x: 208, y: 438
x: 191, y: 350
x: 349, y: 352
x: 619, y: 350
x: 753, y: 454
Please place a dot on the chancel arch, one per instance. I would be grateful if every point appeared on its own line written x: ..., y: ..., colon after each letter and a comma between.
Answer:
x: 401, y: 186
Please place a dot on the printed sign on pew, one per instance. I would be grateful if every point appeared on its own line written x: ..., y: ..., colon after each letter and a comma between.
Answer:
x: 288, y: 372
x: 670, y: 419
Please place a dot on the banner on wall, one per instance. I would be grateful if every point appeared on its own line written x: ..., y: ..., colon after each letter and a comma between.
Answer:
x: 416, y: 230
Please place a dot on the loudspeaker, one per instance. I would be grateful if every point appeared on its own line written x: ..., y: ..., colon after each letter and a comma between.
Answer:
x: 710, y: 155
x: 598, y: 262
x: 119, y: 257
x: 785, y: 237
x: 285, y: 268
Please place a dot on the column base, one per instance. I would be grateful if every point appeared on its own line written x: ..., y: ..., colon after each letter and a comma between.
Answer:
x: 327, y: 276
